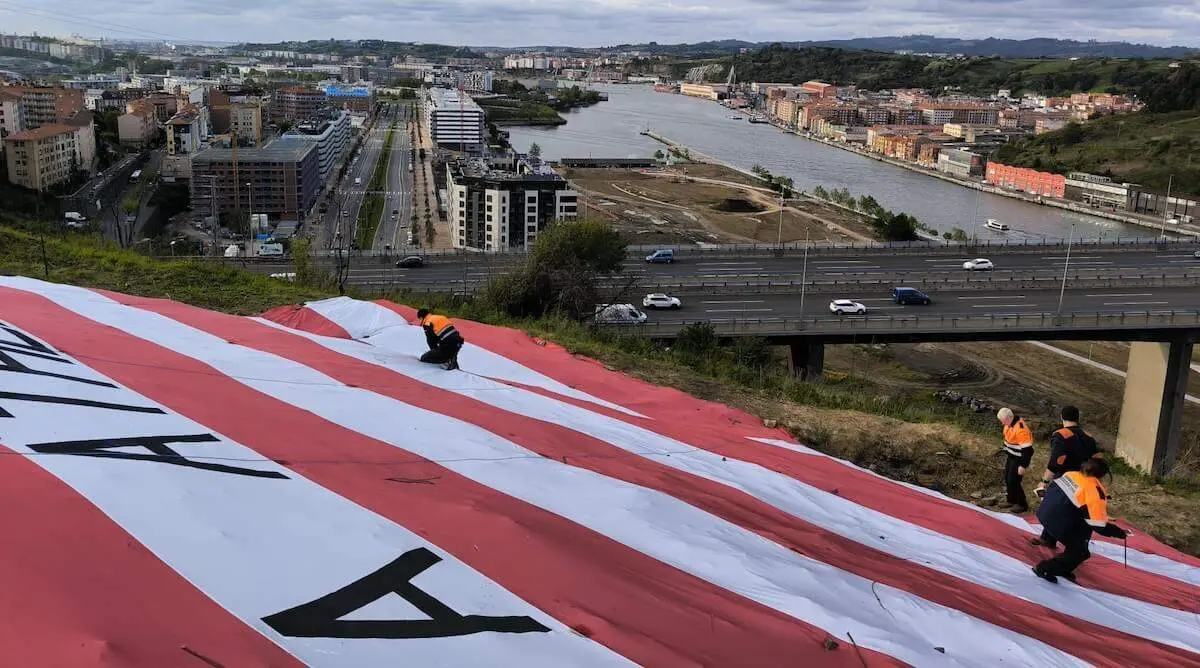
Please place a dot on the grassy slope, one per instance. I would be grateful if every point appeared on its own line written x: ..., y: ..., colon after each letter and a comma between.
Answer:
x: 905, y: 435
x: 1140, y: 148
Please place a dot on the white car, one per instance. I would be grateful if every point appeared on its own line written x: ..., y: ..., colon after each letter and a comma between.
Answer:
x: 659, y: 300
x: 979, y: 264
x: 844, y: 306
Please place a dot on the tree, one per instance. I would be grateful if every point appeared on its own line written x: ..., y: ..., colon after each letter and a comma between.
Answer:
x: 301, y: 260
x: 535, y: 151
x: 658, y: 155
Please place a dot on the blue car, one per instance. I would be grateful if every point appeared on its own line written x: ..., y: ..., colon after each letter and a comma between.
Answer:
x: 910, y: 296
x: 661, y: 256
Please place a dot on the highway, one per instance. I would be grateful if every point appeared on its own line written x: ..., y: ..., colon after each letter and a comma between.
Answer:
x: 392, y: 231
x: 700, y: 306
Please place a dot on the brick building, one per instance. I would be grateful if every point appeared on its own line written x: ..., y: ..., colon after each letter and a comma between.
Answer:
x: 1028, y: 180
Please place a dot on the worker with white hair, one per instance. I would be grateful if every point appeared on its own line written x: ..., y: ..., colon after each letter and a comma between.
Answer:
x: 1018, y: 449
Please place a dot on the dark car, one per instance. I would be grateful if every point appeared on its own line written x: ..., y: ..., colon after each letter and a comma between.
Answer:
x: 910, y: 296
x: 410, y: 262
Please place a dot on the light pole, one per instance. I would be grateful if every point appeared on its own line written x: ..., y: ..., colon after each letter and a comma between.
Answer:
x: 975, y: 221
x: 804, y: 273
x: 1067, y: 265
x: 1166, y: 207
x: 779, y: 236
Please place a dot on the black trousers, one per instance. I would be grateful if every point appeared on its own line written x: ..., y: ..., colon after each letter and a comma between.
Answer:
x: 1012, y: 479
x: 1075, y: 552
x: 446, y: 351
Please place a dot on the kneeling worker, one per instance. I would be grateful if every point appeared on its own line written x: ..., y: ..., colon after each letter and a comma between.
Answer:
x: 1018, y: 446
x: 1075, y: 505
x: 443, y: 339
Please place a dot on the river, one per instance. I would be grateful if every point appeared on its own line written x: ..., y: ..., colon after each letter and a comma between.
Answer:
x: 611, y: 130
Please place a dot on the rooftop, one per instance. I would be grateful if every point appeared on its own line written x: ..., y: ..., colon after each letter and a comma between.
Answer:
x: 479, y: 168
x: 451, y: 99
x: 40, y: 133
x: 280, y: 150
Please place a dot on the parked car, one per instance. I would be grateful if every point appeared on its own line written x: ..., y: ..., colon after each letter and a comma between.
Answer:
x: 846, y: 306
x: 979, y: 264
x: 410, y: 262
x: 659, y: 300
x: 618, y: 314
x: 910, y: 296
x: 270, y: 250
x: 662, y: 255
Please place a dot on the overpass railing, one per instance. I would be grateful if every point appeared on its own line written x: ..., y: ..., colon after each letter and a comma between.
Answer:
x: 920, y: 323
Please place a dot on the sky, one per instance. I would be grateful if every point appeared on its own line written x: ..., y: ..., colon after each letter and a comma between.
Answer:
x: 604, y: 22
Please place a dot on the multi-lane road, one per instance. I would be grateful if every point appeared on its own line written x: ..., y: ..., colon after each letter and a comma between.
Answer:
x: 392, y: 231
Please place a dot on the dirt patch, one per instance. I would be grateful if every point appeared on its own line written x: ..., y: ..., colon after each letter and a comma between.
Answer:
x: 685, y: 205
x: 737, y: 205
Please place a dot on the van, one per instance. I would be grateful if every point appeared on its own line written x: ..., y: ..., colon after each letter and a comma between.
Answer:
x: 357, y: 181
x: 270, y: 250
x: 910, y: 296
x: 662, y: 255
x: 232, y: 251
x: 75, y: 217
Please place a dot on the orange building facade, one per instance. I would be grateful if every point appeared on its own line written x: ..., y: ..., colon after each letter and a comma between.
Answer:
x: 1028, y: 180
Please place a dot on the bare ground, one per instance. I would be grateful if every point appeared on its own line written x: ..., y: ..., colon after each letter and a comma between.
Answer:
x: 682, y: 205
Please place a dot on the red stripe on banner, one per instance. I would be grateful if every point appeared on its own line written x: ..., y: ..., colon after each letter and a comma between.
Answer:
x: 306, y: 319
x: 723, y: 431
x: 648, y: 611
x: 1088, y: 641
x: 77, y: 590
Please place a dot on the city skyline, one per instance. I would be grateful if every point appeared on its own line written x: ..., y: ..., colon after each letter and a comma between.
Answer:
x: 594, y: 23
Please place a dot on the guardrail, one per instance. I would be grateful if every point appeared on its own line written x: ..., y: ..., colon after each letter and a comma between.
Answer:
x: 818, y: 286
x: 932, y: 324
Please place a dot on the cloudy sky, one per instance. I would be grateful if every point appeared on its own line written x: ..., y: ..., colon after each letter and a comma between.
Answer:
x: 601, y: 22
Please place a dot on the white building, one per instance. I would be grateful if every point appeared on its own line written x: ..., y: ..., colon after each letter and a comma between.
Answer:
x: 330, y: 132
x: 480, y: 80
x: 505, y: 204
x: 453, y: 118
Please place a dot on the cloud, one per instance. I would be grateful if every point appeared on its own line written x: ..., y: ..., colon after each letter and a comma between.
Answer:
x: 599, y: 22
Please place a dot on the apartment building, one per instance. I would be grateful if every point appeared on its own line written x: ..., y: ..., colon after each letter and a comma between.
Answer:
x: 297, y: 103
x: 874, y: 115
x: 108, y: 100
x: 480, y: 80
x: 12, y: 115
x: 187, y: 130
x: 139, y: 125
x: 837, y: 114
x: 940, y: 113
x: 819, y: 89
x: 281, y: 179
x: 47, y: 106
x: 505, y: 204
x: 960, y: 162
x: 43, y: 157
x: 330, y: 132
x: 1027, y: 180
x: 359, y: 99
x: 245, y: 119
x: 453, y: 118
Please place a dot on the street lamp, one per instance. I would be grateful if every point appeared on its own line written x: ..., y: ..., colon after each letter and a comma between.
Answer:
x: 804, y: 273
x: 1067, y: 265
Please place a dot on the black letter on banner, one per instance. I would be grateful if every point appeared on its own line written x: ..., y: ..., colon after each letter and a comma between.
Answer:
x: 321, y: 618
x: 73, y: 401
x: 159, y: 452
x: 31, y: 347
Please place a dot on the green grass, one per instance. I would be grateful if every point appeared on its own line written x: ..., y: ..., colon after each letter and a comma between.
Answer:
x: 1143, y: 148
x: 83, y: 260
x: 373, y: 203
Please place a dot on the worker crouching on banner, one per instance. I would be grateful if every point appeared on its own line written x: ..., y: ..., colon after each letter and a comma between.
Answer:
x: 1075, y: 505
x: 443, y: 339
x: 1018, y: 448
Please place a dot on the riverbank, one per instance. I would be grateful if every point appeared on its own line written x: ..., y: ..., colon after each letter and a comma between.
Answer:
x: 1074, y: 207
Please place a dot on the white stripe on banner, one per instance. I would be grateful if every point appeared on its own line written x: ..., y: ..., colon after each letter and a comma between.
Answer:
x: 653, y: 523
x: 1151, y: 563
x: 394, y: 348
x: 362, y: 319
x: 241, y: 527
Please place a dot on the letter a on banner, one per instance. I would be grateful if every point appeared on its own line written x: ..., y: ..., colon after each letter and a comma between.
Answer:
x: 321, y: 618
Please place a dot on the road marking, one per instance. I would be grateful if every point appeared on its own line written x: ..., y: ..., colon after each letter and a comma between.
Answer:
x: 1134, y: 303
x: 875, y: 299
x: 1002, y: 305
x: 1127, y: 294
x: 1000, y: 297
x: 1166, y: 257
x: 753, y: 301
x: 845, y: 267
x: 738, y: 310
x: 841, y: 261
x: 707, y: 264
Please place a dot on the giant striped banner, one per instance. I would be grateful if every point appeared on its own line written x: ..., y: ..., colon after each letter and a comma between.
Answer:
x: 189, y: 488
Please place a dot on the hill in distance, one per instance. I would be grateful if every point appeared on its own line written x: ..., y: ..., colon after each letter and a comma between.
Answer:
x: 1041, y: 47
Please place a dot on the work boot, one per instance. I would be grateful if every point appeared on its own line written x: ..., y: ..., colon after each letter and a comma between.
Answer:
x: 1038, y: 542
x: 1048, y: 577
x: 452, y: 364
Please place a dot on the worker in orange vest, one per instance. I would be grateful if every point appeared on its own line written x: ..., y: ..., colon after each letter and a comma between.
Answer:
x: 1075, y: 505
x: 1018, y: 449
x: 1070, y: 448
x: 443, y: 339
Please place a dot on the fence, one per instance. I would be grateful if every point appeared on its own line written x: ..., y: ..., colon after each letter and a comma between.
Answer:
x: 929, y: 324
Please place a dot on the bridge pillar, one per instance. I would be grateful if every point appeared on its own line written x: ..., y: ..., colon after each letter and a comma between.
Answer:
x: 807, y: 360
x: 1155, y: 385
